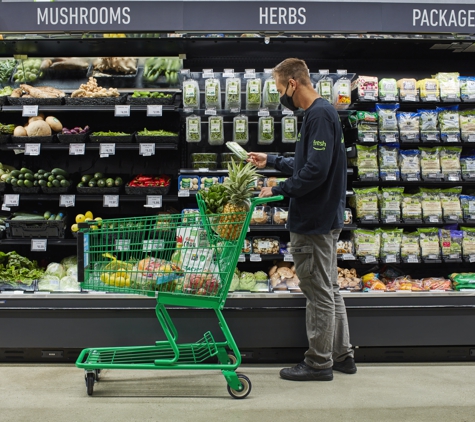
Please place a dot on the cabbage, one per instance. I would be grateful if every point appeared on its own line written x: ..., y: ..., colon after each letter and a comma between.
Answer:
x: 247, y: 281
x: 55, y: 269
x: 234, y: 283
x: 69, y: 284
x: 70, y: 261
x: 48, y: 283
x: 260, y: 276
x: 261, y: 287
x: 72, y: 271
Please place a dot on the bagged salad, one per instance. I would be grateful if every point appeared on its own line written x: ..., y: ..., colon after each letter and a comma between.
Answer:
x: 367, y: 162
x: 365, y: 202
x: 387, y: 122
x: 451, y: 244
x: 241, y: 129
x: 266, y: 130
x: 388, y: 90
x: 429, y: 125
x: 367, y: 244
x: 449, y: 123
x: 193, y: 128
x: 233, y: 94
x: 449, y: 86
x: 450, y: 163
x: 467, y: 203
x: 253, y: 94
x: 428, y: 89
x: 410, y: 247
x: 467, y: 167
x: 215, y: 130
x: 467, y: 88
x: 391, y: 240
x: 388, y: 156
x: 431, y: 205
x: 408, y: 124
x: 468, y: 243
x: 467, y: 125
x: 271, y: 97
x: 289, y: 129
x: 191, y: 94
x: 430, y: 163
x: 410, y: 164
x: 411, y: 208
x: 430, y: 244
x: 408, y: 89
x: 325, y: 88
x: 367, y: 126
x: 390, y: 204
x: 450, y: 202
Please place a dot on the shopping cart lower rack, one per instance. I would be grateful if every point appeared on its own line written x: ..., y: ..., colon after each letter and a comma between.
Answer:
x: 184, y: 262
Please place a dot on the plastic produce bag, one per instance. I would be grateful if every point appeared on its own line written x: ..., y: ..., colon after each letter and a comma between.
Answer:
x: 388, y: 127
x: 367, y: 244
x: 449, y: 86
x: 431, y: 205
x: 450, y: 163
x: 253, y: 94
x: 411, y: 208
x: 467, y: 203
x: 410, y: 247
x: 367, y: 162
x: 450, y: 202
x: 191, y: 94
x: 325, y: 88
x: 428, y: 89
x: 367, y: 88
x: 241, y: 129
x: 391, y: 245
x: 266, y: 130
x: 449, y: 123
x: 468, y: 243
x: 342, y: 93
x: 390, y: 202
x: 408, y: 124
x: 389, y: 162
x: 430, y: 244
x: 193, y: 128
x: 289, y: 129
x: 467, y: 167
x: 388, y: 90
x: 410, y: 164
x: 48, y: 283
x: 365, y: 201
x: 467, y: 125
x: 215, y: 130
x: 464, y: 281
x: 451, y: 244
x: 430, y: 163
x: 55, y: 269
x: 367, y: 126
x: 408, y: 89
x: 429, y: 125
x: 467, y: 88
x: 271, y: 96
x: 233, y: 93
x: 213, y: 93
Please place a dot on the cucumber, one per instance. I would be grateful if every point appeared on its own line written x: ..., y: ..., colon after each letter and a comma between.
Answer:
x: 20, y: 183
x: 58, y: 171
x: 86, y: 178
x: 92, y: 183
x: 59, y: 217
x: 14, y: 181
x: 51, y: 178
x: 21, y: 176
x: 15, y: 173
x: 101, y: 183
x: 36, y: 183
x: 8, y: 180
x: 28, y: 217
x: 36, y: 175
x: 119, y: 181
x: 49, y: 185
x: 41, y: 171
x: 110, y: 182
x: 65, y: 183
x: 81, y: 185
x: 25, y: 170
x: 29, y: 176
x: 28, y: 183
x: 42, y: 182
x: 98, y: 175
x: 56, y: 183
x: 46, y: 175
x: 47, y: 215
x: 59, y: 177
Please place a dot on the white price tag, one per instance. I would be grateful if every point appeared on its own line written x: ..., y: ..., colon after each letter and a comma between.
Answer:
x: 390, y: 219
x: 185, y: 72
x: 32, y: 149
x: 390, y: 259
x: 342, y: 71
x: 368, y: 259
x: 153, y: 245
x: 250, y: 73
x: 38, y: 245
x: 147, y: 150
x: 105, y: 150
x: 412, y: 259
x: 122, y: 244
x: 5, y: 208
x: 255, y: 257
x: 390, y: 98
x: 391, y: 177
x: 410, y: 98
x: 234, y: 110
x: 242, y: 258
x: 154, y: 111
x: 183, y: 193
x: 188, y: 109
x: 452, y: 138
x: 369, y: 96
x: 368, y: 139
x: 348, y: 257
x: 287, y: 111
x: 154, y: 201
x: 110, y: 201
x: 431, y: 98
x: 472, y: 258
x: 433, y: 219
x: 122, y: 111
x: 11, y: 200
x: 288, y: 257
x: 67, y: 200
x: 323, y: 71
x: 263, y: 112
x: 30, y: 111
x: 454, y: 177
x: 208, y: 73
x: 268, y: 70
x: 471, y: 138
x: 210, y: 112
x: 77, y: 149
x: 228, y: 73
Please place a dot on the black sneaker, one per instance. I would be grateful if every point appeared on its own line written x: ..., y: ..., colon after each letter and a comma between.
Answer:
x: 347, y: 366
x: 303, y: 372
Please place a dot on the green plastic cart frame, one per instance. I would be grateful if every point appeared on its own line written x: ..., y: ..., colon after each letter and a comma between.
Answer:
x: 142, y: 255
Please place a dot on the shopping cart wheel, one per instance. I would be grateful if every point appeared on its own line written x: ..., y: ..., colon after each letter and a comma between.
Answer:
x: 90, y: 383
x: 232, y: 358
x: 246, y: 388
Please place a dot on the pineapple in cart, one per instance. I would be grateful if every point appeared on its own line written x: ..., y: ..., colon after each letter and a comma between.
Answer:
x: 238, y: 190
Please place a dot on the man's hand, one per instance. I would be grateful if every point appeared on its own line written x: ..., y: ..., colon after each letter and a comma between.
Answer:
x: 266, y: 192
x: 259, y: 159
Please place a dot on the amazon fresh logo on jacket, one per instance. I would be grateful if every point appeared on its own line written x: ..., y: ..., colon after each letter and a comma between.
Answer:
x: 319, y: 145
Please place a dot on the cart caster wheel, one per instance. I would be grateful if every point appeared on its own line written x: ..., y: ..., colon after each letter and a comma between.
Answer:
x: 97, y: 374
x: 90, y: 384
x: 232, y: 358
x: 246, y: 388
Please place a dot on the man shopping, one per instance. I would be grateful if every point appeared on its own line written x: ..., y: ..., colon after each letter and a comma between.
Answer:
x: 317, y: 191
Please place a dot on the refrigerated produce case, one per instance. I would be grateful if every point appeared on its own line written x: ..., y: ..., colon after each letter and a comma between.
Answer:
x: 267, y: 326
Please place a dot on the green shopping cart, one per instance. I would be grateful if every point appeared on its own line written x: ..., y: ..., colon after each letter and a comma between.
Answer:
x: 182, y: 260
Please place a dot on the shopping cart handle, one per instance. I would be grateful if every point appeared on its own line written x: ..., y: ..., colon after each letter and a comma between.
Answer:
x: 258, y: 201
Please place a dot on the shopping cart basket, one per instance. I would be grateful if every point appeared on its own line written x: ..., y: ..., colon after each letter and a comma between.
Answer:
x: 180, y: 261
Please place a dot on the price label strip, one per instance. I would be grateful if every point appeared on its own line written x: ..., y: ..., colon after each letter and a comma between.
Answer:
x: 122, y: 111
x: 288, y: 257
x: 38, y: 245
x: 67, y: 200
x: 30, y: 111
x: 154, y: 111
x: 154, y: 201
x: 106, y: 150
x: 255, y: 257
x: 183, y: 193
x: 32, y: 149
x: 147, y: 150
x: 77, y: 149
x: 110, y: 201
x: 11, y: 200
x: 242, y: 258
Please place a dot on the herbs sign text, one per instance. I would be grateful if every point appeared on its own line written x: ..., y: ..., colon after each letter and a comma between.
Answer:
x: 282, y: 16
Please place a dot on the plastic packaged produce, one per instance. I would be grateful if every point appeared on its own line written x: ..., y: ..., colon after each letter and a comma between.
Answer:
x: 450, y: 202
x: 430, y: 163
x: 464, y: 281
x: 408, y: 124
x: 410, y: 164
x: 207, y: 182
x: 342, y: 93
x: 261, y: 215
x: 390, y: 204
x: 367, y: 88
x: 410, y: 247
x: 408, y: 89
x: 467, y: 88
x: 450, y: 163
x: 271, y: 97
x: 467, y: 165
x: 266, y: 130
x: 367, y: 126
x: 388, y: 90
x: 365, y: 202
x: 274, y: 181
x: 215, y: 130
x: 467, y: 125
x: 241, y: 129
x: 449, y: 86
x: 449, y: 123
x: 247, y: 281
x: 349, y: 280
x: 430, y: 244
x: 411, y: 208
x: 468, y: 206
x: 233, y: 93
x: 367, y: 162
x: 388, y: 156
x: 191, y: 94
x: 213, y: 93
x: 204, y: 156
x: 289, y: 129
x: 253, y: 94
x: 451, y: 244
x: 431, y: 206
x: 367, y: 244
x: 193, y: 128
x: 468, y: 243
x: 189, y: 183
x: 191, y: 216
x: 325, y: 88
x: 280, y: 215
x: 371, y: 281
x: 345, y: 247
x: 429, y: 125
x: 388, y: 128
x: 348, y: 216
x: 266, y: 245
x: 391, y: 245
x: 428, y: 89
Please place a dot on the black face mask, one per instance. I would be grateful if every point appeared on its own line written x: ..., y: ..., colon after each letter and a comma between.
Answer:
x: 287, y: 100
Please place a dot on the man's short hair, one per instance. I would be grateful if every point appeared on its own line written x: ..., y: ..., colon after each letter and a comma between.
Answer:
x: 292, y: 69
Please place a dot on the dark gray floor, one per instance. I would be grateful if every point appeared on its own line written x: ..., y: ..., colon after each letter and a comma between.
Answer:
x: 391, y: 392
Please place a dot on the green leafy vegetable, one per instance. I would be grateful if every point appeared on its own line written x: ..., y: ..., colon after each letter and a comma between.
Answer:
x: 15, y: 269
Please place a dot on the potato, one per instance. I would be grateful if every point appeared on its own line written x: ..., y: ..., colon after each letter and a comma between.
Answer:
x: 19, y: 131
x: 54, y: 123
x: 38, y: 128
x: 35, y: 118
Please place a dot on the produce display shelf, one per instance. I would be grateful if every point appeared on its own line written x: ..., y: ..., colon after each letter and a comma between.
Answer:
x: 427, y: 183
x: 93, y: 198
x: 264, y: 172
x: 411, y: 145
x: 90, y: 146
x: 27, y: 241
x: 268, y: 227
x: 413, y: 225
x: 411, y: 104
x: 75, y: 108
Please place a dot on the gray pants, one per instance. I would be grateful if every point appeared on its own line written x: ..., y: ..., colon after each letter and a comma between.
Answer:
x: 327, y: 323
